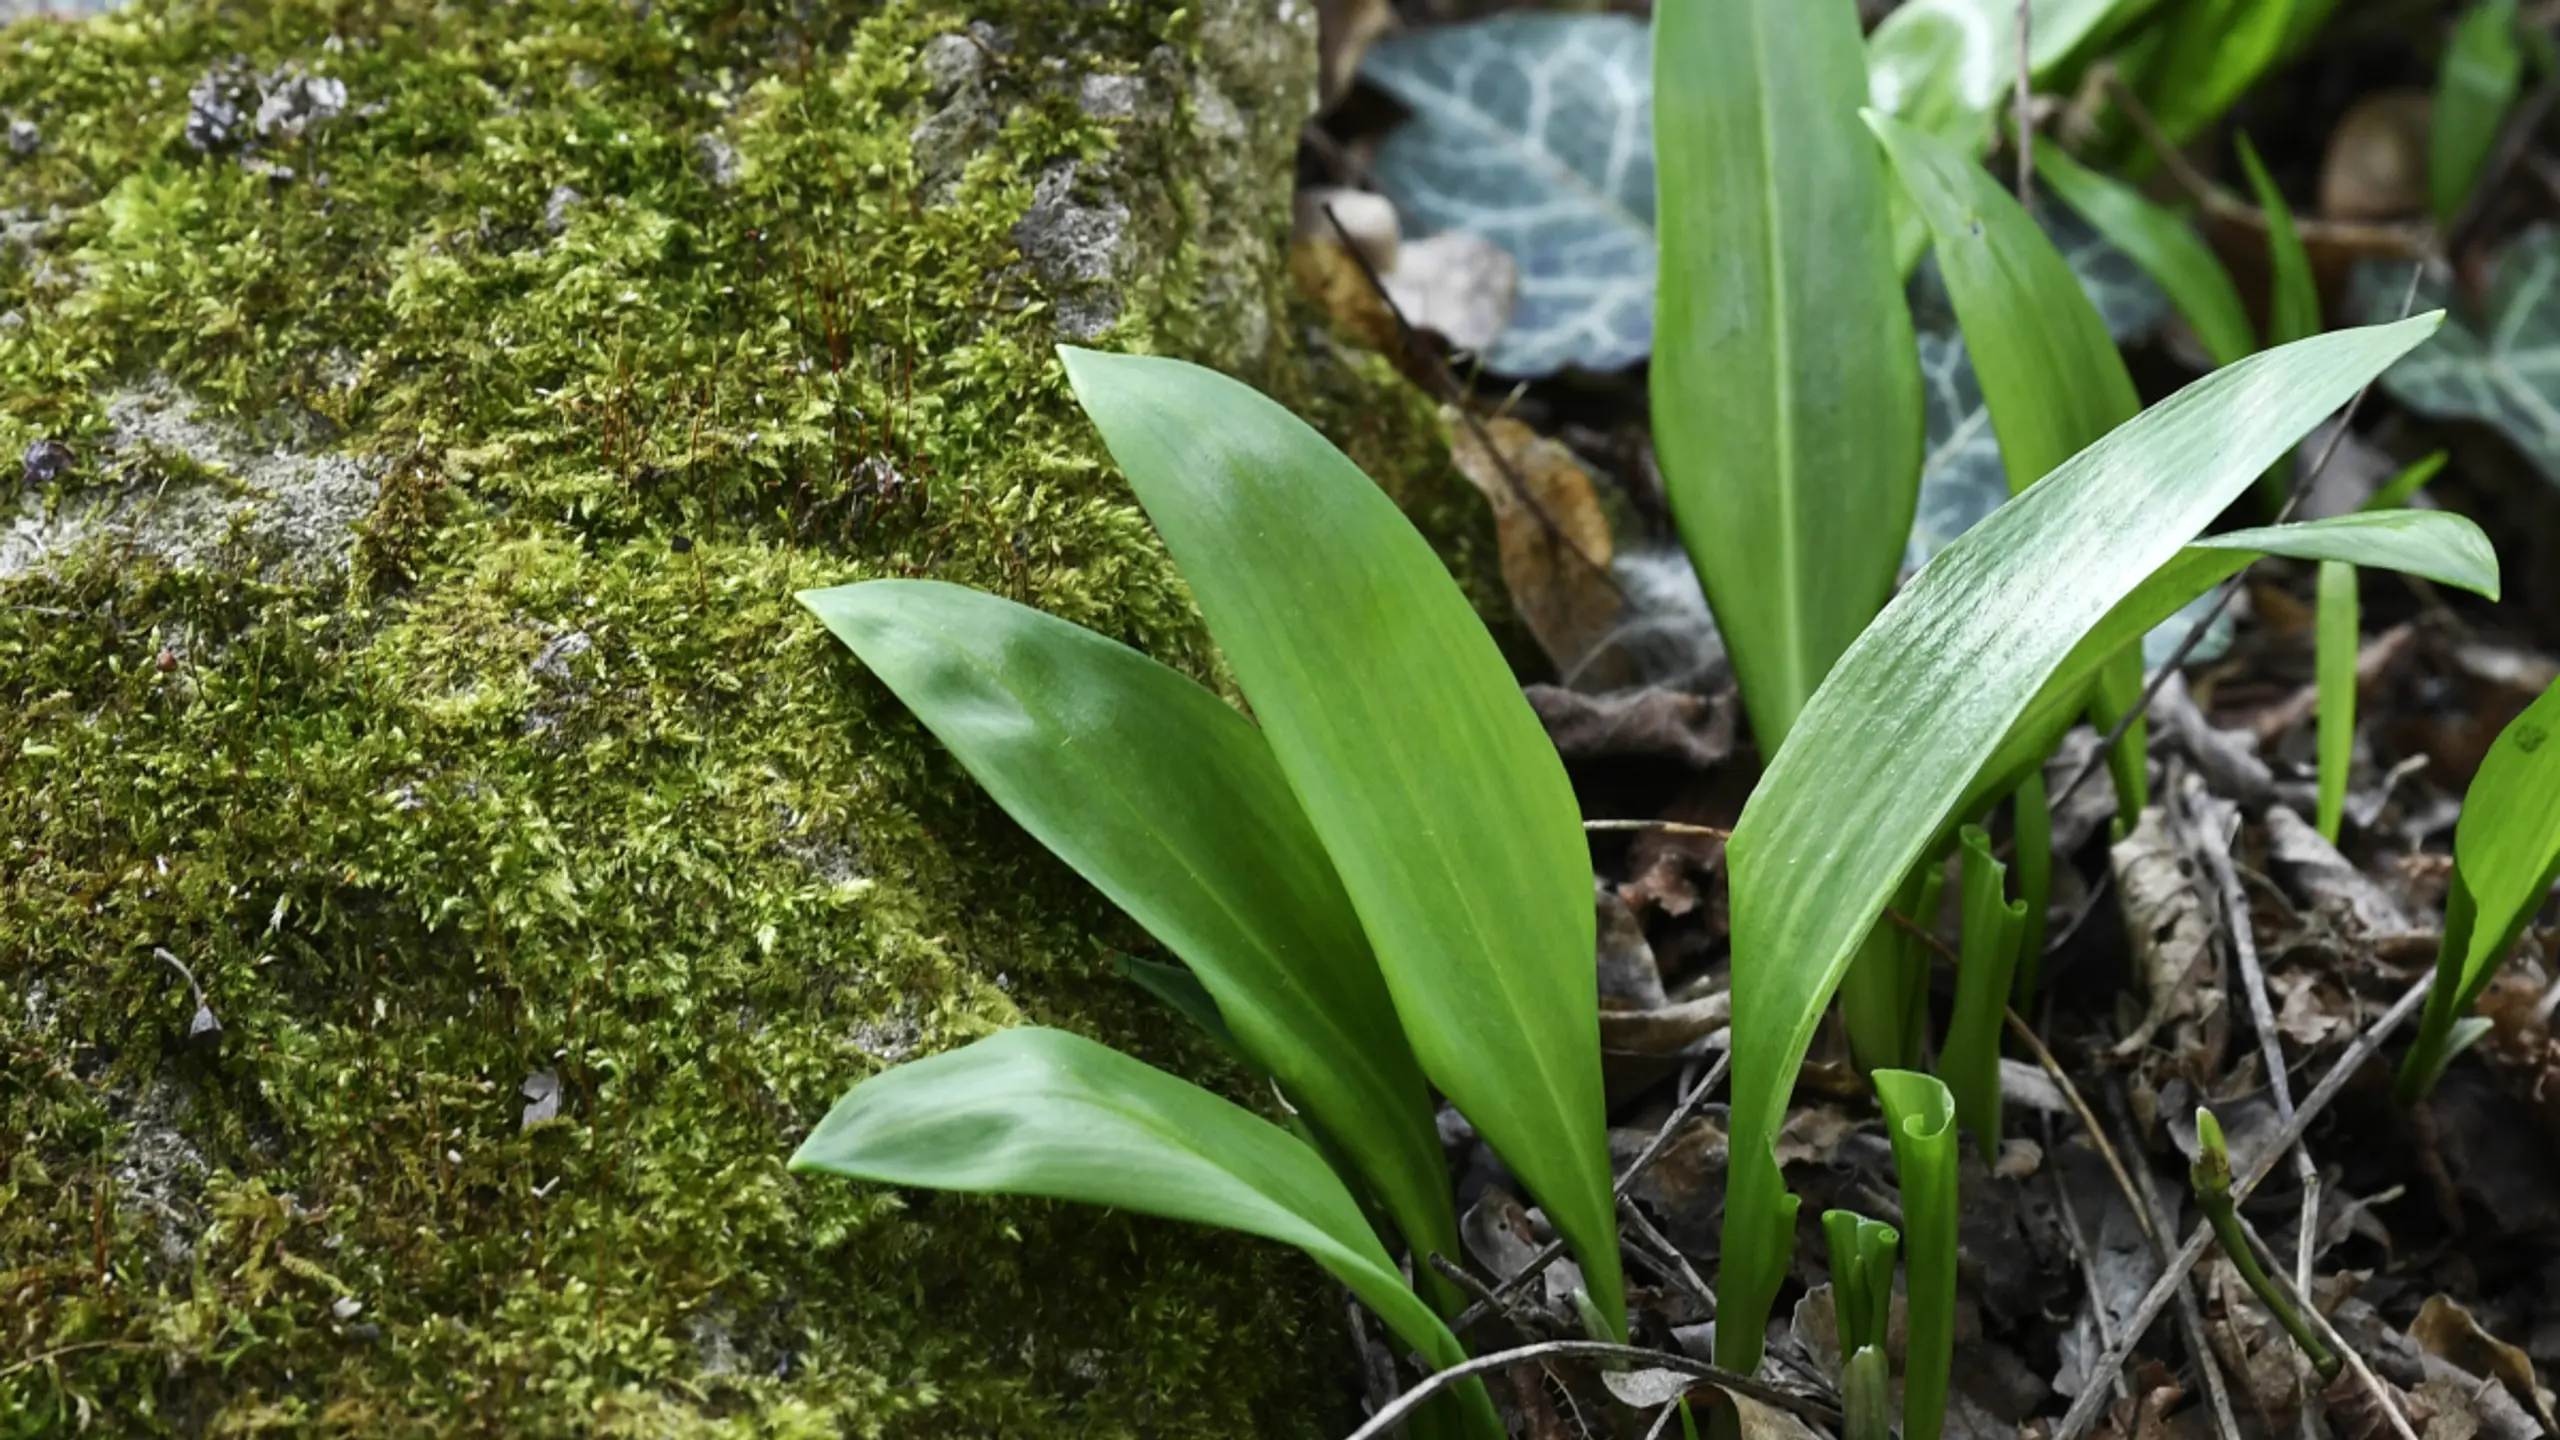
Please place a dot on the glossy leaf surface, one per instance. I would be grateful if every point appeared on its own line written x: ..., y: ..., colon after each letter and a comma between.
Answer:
x: 1785, y: 379
x: 2506, y: 853
x: 1407, y: 743
x: 1907, y: 722
x: 1170, y: 803
x: 1043, y: 1112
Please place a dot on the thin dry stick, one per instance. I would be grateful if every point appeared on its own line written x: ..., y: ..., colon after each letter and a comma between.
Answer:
x: 2026, y: 102
x: 2403, y: 242
x: 2231, y: 587
x: 1665, y: 827
x: 2088, y: 1118
x: 1405, y: 337
x: 1389, y: 1418
x: 1652, y: 1151
x: 2149, y: 1210
x: 2300, y: 1297
x: 2080, y: 1255
x: 2084, y: 1410
x: 2262, y: 1015
x: 1674, y: 1265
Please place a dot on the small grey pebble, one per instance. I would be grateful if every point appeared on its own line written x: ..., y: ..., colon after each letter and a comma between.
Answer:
x: 45, y: 462
x: 24, y: 137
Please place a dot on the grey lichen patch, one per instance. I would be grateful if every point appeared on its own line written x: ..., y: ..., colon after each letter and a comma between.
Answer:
x: 190, y: 491
x: 1075, y: 235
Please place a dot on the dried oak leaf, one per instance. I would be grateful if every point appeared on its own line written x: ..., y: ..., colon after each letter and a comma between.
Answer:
x: 2169, y: 923
x: 2446, y: 1330
x: 1648, y: 724
x: 1556, y: 545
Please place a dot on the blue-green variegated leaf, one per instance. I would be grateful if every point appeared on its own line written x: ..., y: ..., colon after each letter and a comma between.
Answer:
x: 1532, y: 130
x: 2501, y: 368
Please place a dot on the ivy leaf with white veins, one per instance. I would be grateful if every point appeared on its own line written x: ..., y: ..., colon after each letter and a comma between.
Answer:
x: 2501, y: 368
x: 1534, y: 131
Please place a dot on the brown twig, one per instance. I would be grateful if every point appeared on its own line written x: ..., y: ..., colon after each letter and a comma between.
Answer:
x: 1386, y: 1420
x: 1456, y: 394
x: 2300, y: 1296
x: 1652, y: 1151
x: 2396, y: 241
x: 2152, y: 1213
x: 2084, y: 1410
x: 2088, y: 1118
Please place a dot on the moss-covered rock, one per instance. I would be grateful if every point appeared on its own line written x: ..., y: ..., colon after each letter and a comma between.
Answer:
x: 427, y: 411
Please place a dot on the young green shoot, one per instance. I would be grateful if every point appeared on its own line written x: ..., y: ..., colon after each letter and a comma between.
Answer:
x: 1884, y: 999
x: 2338, y: 624
x: 2211, y: 1176
x: 1862, y: 1253
x: 2031, y: 825
x: 2506, y: 852
x: 1921, y: 1118
x: 1987, y: 956
x: 2483, y: 68
x: 2293, y: 302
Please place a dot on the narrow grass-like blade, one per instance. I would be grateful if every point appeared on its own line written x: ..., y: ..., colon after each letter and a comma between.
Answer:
x: 1785, y: 379
x: 2293, y: 311
x: 2163, y: 243
x: 2209, y: 55
x: 2050, y: 373
x: 2506, y: 853
x: 2031, y: 810
x: 2482, y: 69
x: 1987, y: 959
x: 1406, y: 741
x: 1907, y: 722
x: 1921, y: 1117
x: 1171, y: 804
x: 1043, y: 1112
x: 2396, y: 491
x: 2338, y: 623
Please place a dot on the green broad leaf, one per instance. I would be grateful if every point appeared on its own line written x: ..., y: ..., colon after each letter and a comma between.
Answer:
x: 2431, y: 544
x: 1920, y: 1116
x: 1043, y: 1112
x: 1962, y: 477
x: 1171, y: 804
x: 1917, y: 708
x: 2164, y: 243
x: 2483, y: 68
x: 2293, y: 311
x: 2506, y: 853
x: 2501, y: 368
x: 2335, y: 632
x: 1785, y: 377
x: 1529, y: 129
x: 1408, y: 746
x: 2048, y: 368
x: 2210, y: 52
x: 1988, y: 958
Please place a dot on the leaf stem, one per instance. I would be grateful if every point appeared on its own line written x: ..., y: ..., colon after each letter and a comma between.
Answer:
x: 2211, y: 1176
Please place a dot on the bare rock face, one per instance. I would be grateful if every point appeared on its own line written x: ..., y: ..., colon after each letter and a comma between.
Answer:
x: 442, y: 873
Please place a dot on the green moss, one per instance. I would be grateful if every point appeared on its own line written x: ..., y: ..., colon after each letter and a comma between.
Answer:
x: 543, y: 774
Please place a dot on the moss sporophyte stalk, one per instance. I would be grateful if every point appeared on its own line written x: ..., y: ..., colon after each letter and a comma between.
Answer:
x: 521, y: 775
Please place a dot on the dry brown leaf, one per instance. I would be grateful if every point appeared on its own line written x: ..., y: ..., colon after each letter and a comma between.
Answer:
x: 1329, y: 275
x: 2446, y: 1330
x: 2314, y: 869
x: 2376, y: 168
x: 1344, y: 30
x: 2168, y: 921
x: 1813, y: 1133
x: 1556, y: 545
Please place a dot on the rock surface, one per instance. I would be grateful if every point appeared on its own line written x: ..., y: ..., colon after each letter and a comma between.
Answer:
x: 442, y: 873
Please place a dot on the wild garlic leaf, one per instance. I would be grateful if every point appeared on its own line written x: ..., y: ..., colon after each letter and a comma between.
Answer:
x: 1961, y: 478
x: 1533, y: 131
x: 2501, y: 368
